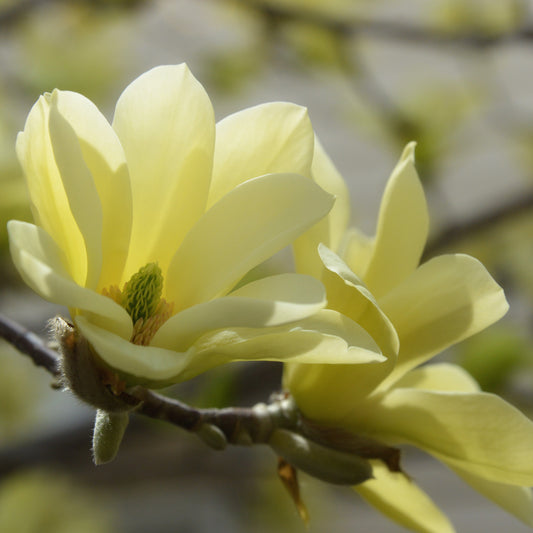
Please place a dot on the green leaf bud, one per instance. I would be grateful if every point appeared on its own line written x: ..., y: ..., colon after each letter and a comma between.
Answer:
x: 109, y: 429
x: 327, y: 464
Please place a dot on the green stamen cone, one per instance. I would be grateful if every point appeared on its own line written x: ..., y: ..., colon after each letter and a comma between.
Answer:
x: 142, y: 293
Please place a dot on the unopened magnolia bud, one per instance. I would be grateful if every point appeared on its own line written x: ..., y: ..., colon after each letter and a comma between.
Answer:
x: 109, y: 429
x: 332, y: 466
x: 213, y: 436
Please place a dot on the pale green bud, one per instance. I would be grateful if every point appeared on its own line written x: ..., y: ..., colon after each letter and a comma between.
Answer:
x: 109, y: 429
x: 332, y: 466
x: 213, y: 436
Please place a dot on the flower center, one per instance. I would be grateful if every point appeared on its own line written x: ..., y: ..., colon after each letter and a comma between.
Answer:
x: 142, y: 293
x: 141, y: 297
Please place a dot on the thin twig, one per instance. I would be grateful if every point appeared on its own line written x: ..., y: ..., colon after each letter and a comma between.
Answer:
x: 279, y: 420
x: 383, y: 29
x: 481, y: 223
x: 30, y: 344
x: 231, y: 421
x: 17, y: 11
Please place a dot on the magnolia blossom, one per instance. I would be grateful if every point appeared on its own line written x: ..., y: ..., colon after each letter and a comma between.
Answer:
x: 143, y: 228
x: 412, y: 312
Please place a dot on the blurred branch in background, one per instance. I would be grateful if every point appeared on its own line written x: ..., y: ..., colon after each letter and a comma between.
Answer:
x: 472, y: 227
x: 280, y: 12
x: 16, y: 11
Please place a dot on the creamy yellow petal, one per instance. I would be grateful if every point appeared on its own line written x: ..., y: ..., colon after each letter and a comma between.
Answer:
x: 328, y: 177
x: 329, y: 392
x: 444, y: 301
x: 104, y: 157
x: 477, y: 432
x: 265, y: 139
x: 356, y: 249
x: 516, y: 500
x: 330, y: 230
x: 247, y: 226
x: 439, y: 377
x: 49, y: 202
x: 159, y: 367
x: 401, y: 500
x: 41, y: 264
x: 348, y: 295
x: 146, y: 365
x: 402, y: 228
x: 326, y: 337
x: 266, y: 302
x: 80, y: 188
x: 165, y: 123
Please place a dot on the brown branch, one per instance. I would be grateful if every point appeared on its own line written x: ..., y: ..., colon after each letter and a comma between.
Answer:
x: 149, y: 403
x: 382, y: 29
x: 233, y: 422
x: 11, y: 15
x: 486, y: 221
x: 30, y: 344
x: 278, y: 424
x: 16, y: 12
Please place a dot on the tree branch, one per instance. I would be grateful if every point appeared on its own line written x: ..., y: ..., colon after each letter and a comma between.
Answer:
x: 383, y: 29
x: 314, y: 449
x: 483, y: 222
x: 30, y: 344
x: 18, y: 10
x: 149, y: 403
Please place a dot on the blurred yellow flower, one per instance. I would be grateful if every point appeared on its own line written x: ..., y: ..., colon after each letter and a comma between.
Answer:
x: 144, y: 227
x: 412, y: 312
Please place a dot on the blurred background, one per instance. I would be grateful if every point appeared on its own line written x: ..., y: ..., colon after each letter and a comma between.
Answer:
x: 454, y: 75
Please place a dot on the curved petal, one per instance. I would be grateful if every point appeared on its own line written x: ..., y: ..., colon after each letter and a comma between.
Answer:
x: 159, y: 367
x: 165, y: 122
x: 516, y: 500
x: 80, y: 189
x: 357, y: 250
x: 105, y: 159
x: 439, y: 377
x: 247, y: 226
x: 266, y: 302
x: 348, y: 295
x: 326, y: 337
x: 265, y: 139
x: 329, y: 392
x: 41, y: 264
x: 49, y: 202
x: 444, y: 301
x: 146, y: 365
x: 402, y: 228
x: 400, y: 499
x: 330, y: 230
x: 477, y: 432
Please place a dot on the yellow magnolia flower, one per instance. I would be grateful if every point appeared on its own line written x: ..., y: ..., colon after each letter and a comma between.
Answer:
x: 144, y: 227
x: 412, y: 312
